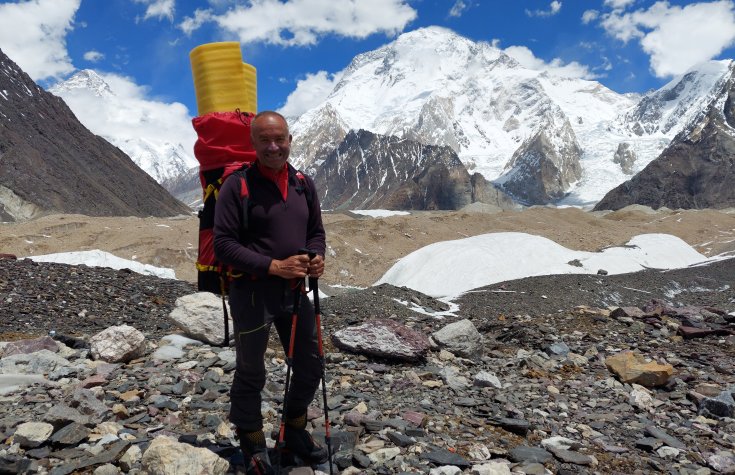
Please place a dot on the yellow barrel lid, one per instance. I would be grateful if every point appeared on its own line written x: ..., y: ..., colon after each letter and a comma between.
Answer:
x: 222, y: 82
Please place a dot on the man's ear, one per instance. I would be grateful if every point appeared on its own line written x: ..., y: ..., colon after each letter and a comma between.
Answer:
x: 290, y: 138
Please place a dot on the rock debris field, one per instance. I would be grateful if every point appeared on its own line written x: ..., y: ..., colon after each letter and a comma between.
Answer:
x: 564, y: 374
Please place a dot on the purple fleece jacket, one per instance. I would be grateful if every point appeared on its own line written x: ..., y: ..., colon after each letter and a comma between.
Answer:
x: 277, y: 228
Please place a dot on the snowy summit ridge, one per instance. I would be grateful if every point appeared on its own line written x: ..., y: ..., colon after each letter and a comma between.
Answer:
x: 438, y: 88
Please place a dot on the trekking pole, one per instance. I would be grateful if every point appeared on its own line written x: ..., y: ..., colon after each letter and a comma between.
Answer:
x: 314, y: 286
x: 223, y: 292
x: 289, y: 362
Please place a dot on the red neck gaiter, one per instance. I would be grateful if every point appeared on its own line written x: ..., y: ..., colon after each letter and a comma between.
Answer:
x: 279, y: 177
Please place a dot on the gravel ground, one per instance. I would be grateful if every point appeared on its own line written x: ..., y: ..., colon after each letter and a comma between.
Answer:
x: 574, y: 396
x: 79, y: 300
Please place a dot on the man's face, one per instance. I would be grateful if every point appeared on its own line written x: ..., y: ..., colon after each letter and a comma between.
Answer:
x: 271, y: 141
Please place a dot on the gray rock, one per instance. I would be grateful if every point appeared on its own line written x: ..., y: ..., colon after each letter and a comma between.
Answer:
x: 200, y: 316
x: 485, y: 379
x: 71, y: 434
x: 721, y: 406
x: 516, y: 426
x: 86, y: 403
x: 32, y: 434
x: 400, y: 440
x: 38, y: 363
x: 460, y: 338
x: 661, y: 435
x: 571, y: 456
x: 648, y: 443
x: 524, y: 453
x: 557, y: 349
x: 445, y: 457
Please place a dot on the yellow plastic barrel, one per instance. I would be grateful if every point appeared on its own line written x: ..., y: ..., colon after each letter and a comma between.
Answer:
x: 222, y: 82
x: 251, y: 87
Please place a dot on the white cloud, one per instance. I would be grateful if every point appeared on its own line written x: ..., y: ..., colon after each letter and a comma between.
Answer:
x: 459, y: 7
x: 131, y: 114
x: 618, y: 4
x: 589, y: 16
x: 556, y: 66
x: 676, y: 38
x: 554, y: 8
x: 191, y: 24
x: 93, y: 56
x: 302, y: 22
x: 33, y: 34
x: 309, y: 92
x: 159, y: 9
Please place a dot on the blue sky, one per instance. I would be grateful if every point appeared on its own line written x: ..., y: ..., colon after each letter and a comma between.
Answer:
x: 298, y: 45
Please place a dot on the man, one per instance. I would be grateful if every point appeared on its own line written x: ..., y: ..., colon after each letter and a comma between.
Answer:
x: 281, y: 221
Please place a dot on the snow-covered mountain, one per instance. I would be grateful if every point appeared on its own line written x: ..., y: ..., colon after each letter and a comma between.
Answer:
x: 697, y: 169
x: 438, y: 88
x: 130, y: 127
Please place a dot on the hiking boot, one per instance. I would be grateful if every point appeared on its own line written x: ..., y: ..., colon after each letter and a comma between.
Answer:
x: 300, y: 443
x: 255, y: 452
x: 259, y: 464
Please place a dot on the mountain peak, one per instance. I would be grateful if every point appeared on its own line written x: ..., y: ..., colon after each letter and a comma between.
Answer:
x: 86, y: 79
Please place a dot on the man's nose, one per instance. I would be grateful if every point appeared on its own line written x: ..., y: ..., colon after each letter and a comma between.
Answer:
x: 272, y: 146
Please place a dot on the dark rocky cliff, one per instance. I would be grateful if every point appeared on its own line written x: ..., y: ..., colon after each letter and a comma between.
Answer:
x: 368, y: 170
x: 50, y: 163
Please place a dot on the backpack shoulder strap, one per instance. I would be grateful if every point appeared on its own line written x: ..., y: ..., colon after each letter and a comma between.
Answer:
x: 242, y: 175
x: 304, y: 183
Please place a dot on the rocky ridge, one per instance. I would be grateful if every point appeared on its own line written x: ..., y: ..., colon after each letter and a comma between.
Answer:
x: 526, y: 383
x: 52, y: 163
x: 375, y: 171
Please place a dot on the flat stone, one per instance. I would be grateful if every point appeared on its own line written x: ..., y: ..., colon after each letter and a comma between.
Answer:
x: 30, y: 346
x: 516, y: 426
x: 415, y: 418
x: 445, y: 457
x: 71, y: 434
x: 383, y: 338
x: 661, y: 435
x: 109, y: 454
x: 648, y: 443
x: 524, y: 453
x: 630, y: 312
x: 570, y: 456
x: 401, y: 440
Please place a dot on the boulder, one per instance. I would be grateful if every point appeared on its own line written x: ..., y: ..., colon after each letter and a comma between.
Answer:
x: 199, y: 315
x: 461, y: 338
x: 166, y: 456
x: 119, y: 344
x: 383, y: 338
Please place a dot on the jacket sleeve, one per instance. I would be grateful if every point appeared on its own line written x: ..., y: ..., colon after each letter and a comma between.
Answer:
x: 316, y: 237
x: 227, y: 246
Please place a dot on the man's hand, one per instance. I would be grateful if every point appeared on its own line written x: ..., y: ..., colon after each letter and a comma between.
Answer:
x: 293, y: 267
x: 316, y: 266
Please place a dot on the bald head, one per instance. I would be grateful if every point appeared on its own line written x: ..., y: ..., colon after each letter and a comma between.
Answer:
x: 270, y: 138
x: 266, y: 114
